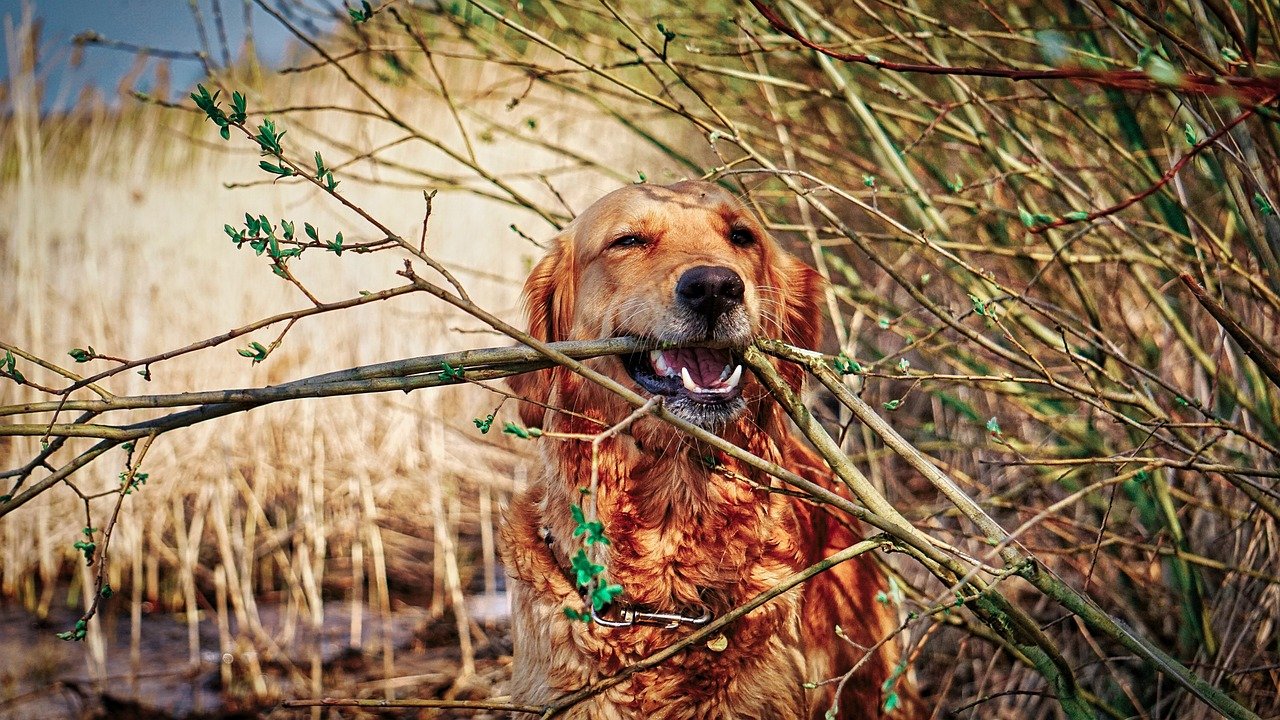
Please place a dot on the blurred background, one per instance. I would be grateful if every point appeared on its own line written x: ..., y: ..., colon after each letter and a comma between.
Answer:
x: 1064, y: 377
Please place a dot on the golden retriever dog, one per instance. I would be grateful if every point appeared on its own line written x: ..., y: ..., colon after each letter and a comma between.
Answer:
x: 692, y: 533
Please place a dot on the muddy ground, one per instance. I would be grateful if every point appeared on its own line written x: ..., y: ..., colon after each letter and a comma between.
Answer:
x: 44, y: 677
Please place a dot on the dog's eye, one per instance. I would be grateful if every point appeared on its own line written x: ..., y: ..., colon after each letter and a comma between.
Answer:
x: 742, y: 237
x: 627, y: 241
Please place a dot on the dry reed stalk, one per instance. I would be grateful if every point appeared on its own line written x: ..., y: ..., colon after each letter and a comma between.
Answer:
x: 356, y: 631
x: 380, y: 592
x: 453, y: 583
x: 135, y: 614
x: 488, y: 548
x: 226, y: 647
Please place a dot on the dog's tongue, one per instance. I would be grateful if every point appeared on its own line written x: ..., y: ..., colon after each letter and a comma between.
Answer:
x: 706, y: 366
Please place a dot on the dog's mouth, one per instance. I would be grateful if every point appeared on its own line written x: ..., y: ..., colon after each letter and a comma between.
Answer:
x: 706, y: 376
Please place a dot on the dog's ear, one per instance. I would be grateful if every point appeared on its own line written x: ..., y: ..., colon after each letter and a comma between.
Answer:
x: 801, y: 298
x: 548, y: 303
x: 799, y: 291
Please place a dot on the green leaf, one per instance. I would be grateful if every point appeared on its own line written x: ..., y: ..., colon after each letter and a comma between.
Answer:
x: 1076, y: 216
x: 81, y: 356
x: 904, y: 365
x: 524, y: 433
x: 255, y: 351
x: 584, y: 570
x: 846, y: 365
x: 1264, y: 207
x: 139, y: 479
x: 1027, y: 218
x: 106, y: 591
x: 268, y: 138
x: 575, y: 615
x: 993, y: 426
x: 287, y: 227
x: 484, y: 424
x: 448, y: 372
x: 280, y: 170
x: 10, y: 365
x: 869, y: 180
x: 891, y: 702
x: 360, y: 15
x: 311, y: 231
x: 893, y: 405
x: 238, y: 108
x: 81, y: 629
x: 593, y: 530
x: 87, y: 547
x: 203, y: 99
x: 1189, y: 133
x: 602, y: 596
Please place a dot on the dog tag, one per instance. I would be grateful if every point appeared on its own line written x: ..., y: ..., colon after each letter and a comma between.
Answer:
x: 718, y: 643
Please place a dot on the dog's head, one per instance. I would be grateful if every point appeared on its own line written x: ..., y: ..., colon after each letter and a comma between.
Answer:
x: 685, y: 263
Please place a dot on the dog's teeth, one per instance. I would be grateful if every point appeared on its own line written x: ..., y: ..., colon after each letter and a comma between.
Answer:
x: 689, y: 384
x: 659, y: 361
x: 733, y: 380
x: 723, y: 374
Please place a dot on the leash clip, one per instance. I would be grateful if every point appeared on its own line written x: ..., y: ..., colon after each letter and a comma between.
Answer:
x: 627, y: 617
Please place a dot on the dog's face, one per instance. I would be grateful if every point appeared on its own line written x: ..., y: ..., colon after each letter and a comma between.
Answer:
x: 684, y: 263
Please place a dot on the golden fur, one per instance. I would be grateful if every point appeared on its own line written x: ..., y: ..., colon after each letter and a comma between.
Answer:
x: 684, y: 535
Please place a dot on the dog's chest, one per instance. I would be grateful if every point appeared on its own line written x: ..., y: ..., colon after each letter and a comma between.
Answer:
x: 707, y: 540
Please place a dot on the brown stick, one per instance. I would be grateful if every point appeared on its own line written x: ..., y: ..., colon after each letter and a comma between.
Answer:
x: 1242, y: 336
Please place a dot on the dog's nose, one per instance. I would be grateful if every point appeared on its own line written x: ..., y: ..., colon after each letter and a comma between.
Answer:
x: 710, y: 290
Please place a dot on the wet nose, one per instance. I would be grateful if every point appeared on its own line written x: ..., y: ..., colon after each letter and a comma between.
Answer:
x: 710, y: 290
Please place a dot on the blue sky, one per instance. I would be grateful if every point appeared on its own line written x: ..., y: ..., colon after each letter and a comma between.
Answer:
x: 161, y: 24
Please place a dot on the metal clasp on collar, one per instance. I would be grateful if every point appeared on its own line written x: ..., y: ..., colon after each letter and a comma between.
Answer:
x: 668, y: 621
